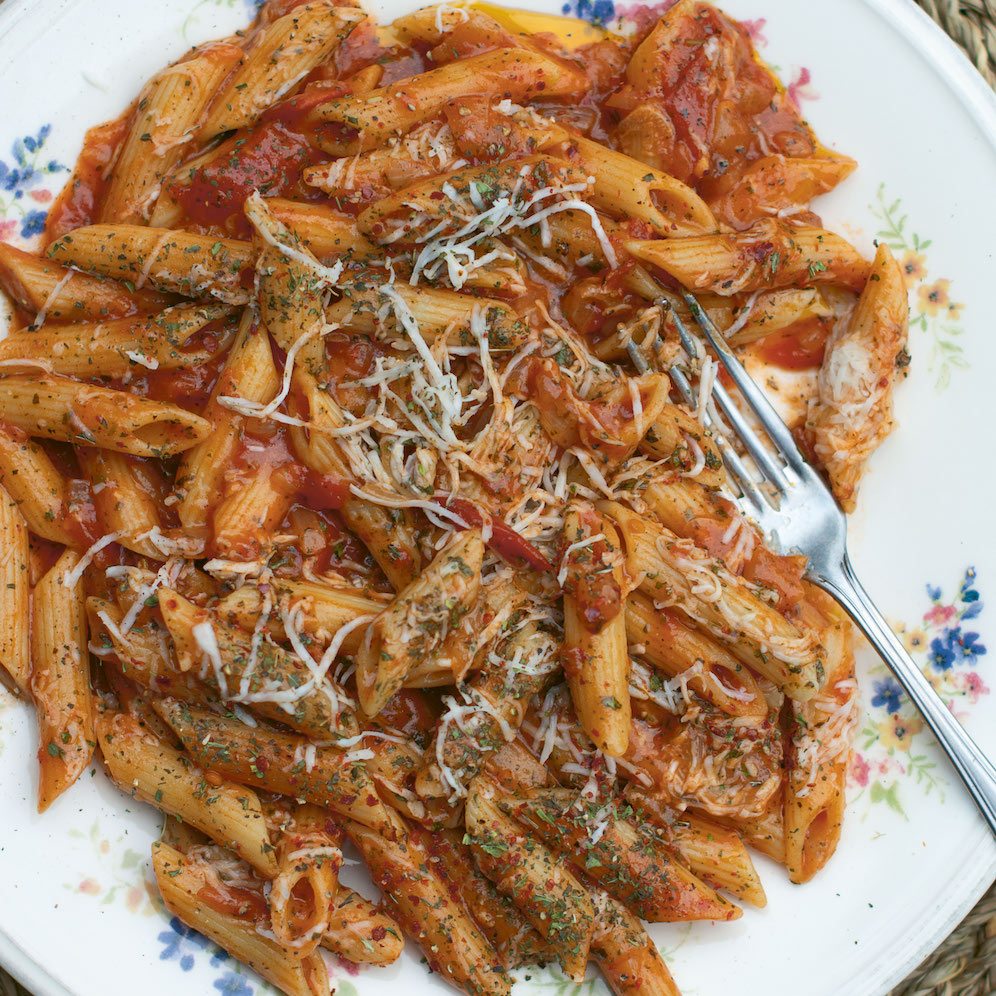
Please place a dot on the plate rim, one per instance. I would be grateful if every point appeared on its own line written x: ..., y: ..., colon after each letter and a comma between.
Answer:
x: 956, y: 71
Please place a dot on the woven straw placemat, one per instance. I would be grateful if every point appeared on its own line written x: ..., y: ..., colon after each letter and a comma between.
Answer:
x: 965, y: 964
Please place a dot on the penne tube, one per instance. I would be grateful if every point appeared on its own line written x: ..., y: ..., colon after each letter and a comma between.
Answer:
x: 189, y: 894
x: 533, y: 877
x: 361, y: 932
x: 712, y: 852
x: 322, y: 609
x: 822, y: 731
x: 389, y: 535
x: 438, y: 312
x: 625, y: 953
x: 115, y: 348
x: 769, y: 255
x: 677, y: 573
x: 161, y: 776
x: 626, y: 188
x: 162, y: 124
x: 629, y: 860
x: 302, y: 895
x: 278, y: 762
x: 43, y: 287
x: 521, y: 665
x: 143, y: 654
x: 15, y: 595
x: 348, y: 125
x: 775, y: 184
x: 502, y: 923
x: 594, y: 655
x: 249, y: 373
x: 852, y: 413
x: 416, y: 623
x: 242, y: 667
x: 665, y: 641
x: 40, y: 492
x: 392, y: 769
x: 60, y: 679
x: 678, y: 438
x: 63, y: 409
x: 246, y: 520
x: 327, y: 233
x: 170, y: 260
x: 126, y: 495
x: 275, y: 61
x: 429, y: 909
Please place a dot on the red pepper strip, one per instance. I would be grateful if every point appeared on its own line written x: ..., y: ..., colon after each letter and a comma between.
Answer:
x: 505, y: 541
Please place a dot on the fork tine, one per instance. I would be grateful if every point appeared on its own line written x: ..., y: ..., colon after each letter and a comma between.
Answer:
x: 761, y: 454
x: 753, y: 395
x: 731, y: 458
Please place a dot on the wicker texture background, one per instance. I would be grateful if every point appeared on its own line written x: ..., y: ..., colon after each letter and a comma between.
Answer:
x: 965, y: 964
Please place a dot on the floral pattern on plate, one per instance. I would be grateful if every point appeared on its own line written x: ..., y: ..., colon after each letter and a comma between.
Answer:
x: 932, y: 309
x: 889, y: 752
x: 25, y: 183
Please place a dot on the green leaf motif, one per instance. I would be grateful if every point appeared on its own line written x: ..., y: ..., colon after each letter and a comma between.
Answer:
x: 926, y: 312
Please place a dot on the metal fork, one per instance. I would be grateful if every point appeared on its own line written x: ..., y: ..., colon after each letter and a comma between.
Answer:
x: 807, y: 520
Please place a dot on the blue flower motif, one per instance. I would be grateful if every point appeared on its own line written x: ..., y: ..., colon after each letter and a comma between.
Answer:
x: 967, y: 647
x: 253, y: 6
x: 942, y: 657
x: 231, y: 984
x: 888, y: 694
x: 593, y: 11
x: 219, y: 957
x: 933, y: 592
x: 176, y: 939
x: 33, y: 224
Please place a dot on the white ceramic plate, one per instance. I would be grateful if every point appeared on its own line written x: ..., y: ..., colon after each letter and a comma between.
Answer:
x: 879, y: 82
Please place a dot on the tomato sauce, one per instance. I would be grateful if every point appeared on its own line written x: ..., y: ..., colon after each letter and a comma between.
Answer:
x: 801, y: 346
x: 79, y: 201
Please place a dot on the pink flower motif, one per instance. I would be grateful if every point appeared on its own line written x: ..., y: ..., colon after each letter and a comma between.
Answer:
x: 7, y: 229
x: 41, y: 196
x: 90, y: 887
x: 134, y: 898
x: 860, y: 770
x: 754, y: 29
x: 976, y: 686
x: 940, y: 614
x: 643, y: 16
x: 105, y: 847
x: 799, y: 88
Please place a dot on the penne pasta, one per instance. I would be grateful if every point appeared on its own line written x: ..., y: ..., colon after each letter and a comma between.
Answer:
x: 278, y: 762
x: 155, y: 773
x: 15, y: 595
x: 63, y: 409
x: 361, y: 932
x: 427, y: 909
x: 119, y: 347
x: 676, y: 572
x: 769, y: 255
x: 275, y: 61
x: 44, y: 288
x: 163, y: 122
x: 414, y: 625
x: 173, y: 261
x: 60, y: 679
x: 356, y: 124
x: 594, y: 651
x: 189, y: 894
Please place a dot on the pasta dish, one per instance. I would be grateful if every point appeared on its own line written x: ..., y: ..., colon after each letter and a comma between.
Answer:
x: 359, y: 490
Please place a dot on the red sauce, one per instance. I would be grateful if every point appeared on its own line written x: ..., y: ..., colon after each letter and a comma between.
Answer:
x: 801, y: 346
x: 363, y: 48
x: 232, y: 900
x: 411, y: 711
x: 77, y: 204
x: 271, y: 159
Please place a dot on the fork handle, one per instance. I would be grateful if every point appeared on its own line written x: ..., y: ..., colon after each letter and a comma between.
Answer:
x: 975, y: 769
